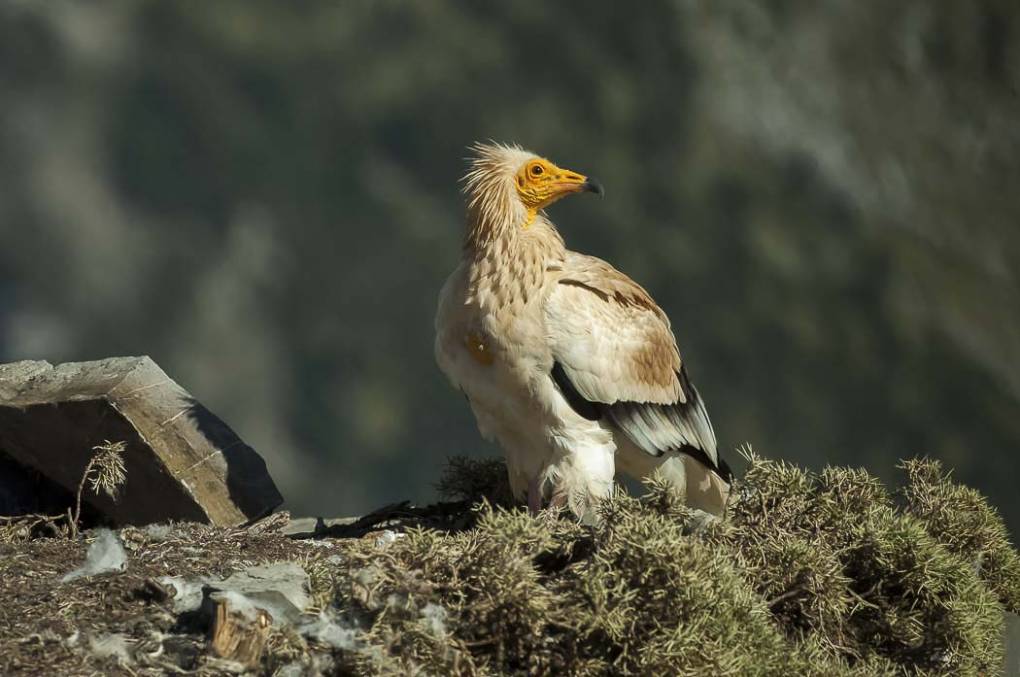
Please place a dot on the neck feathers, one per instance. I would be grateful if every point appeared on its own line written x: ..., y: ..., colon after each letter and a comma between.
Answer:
x: 493, y: 218
x: 494, y: 210
x: 508, y: 248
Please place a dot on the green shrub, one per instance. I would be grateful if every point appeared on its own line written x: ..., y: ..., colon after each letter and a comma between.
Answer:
x: 815, y: 574
x: 961, y: 519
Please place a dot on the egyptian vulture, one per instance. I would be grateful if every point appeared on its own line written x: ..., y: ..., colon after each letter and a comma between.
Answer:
x: 568, y: 364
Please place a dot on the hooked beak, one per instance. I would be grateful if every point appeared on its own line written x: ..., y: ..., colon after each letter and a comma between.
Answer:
x: 572, y: 182
x: 593, y: 185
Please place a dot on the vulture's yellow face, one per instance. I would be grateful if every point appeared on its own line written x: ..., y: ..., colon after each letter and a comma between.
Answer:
x: 540, y: 183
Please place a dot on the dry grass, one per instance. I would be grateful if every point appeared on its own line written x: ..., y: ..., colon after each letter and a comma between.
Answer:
x: 815, y: 574
x: 822, y: 574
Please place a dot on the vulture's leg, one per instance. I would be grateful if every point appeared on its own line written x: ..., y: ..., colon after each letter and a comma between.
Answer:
x: 705, y: 489
x: 535, y: 495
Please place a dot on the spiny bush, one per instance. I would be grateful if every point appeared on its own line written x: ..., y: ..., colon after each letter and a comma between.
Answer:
x: 961, y: 519
x: 813, y: 574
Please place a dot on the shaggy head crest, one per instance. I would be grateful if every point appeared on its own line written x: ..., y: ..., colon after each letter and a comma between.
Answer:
x: 506, y: 186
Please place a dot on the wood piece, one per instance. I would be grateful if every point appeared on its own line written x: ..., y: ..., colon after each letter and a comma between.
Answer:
x: 239, y: 634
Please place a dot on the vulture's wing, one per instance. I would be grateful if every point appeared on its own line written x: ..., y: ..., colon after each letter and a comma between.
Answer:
x: 616, y: 359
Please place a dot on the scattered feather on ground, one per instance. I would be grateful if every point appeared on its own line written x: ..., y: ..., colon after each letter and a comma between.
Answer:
x: 812, y: 574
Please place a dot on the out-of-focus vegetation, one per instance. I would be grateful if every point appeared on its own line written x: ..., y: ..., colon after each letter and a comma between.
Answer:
x: 264, y: 197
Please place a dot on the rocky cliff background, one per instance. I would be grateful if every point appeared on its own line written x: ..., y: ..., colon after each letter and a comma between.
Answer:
x: 822, y: 195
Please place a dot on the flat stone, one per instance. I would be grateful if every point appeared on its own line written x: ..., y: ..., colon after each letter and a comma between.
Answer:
x: 1012, y: 639
x: 280, y: 588
x: 308, y: 527
x: 183, y: 463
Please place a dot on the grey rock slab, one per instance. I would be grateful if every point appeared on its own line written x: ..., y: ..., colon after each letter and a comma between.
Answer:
x: 183, y: 463
x: 279, y: 588
x: 1012, y: 639
x: 308, y: 527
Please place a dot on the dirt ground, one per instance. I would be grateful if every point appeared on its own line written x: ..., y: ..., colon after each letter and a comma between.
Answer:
x: 50, y: 627
x: 810, y: 573
x: 125, y: 623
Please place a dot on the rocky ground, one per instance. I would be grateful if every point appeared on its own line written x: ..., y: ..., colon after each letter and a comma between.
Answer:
x: 129, y: 614
x: 125, y: 622
x: 824, y: 574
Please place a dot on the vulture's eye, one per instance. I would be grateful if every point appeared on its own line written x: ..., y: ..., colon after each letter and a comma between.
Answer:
x: 536, y: 170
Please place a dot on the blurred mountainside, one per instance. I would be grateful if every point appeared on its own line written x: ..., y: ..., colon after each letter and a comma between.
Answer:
x: 264, y: 197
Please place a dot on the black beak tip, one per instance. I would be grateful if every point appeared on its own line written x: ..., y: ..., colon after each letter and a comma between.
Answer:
x: 595, y: 186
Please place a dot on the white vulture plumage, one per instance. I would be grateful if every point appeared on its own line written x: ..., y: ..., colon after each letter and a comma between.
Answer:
x: 568, y: 364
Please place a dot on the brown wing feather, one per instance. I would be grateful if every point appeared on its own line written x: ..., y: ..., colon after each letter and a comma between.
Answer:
x: 616, y: 357
x: 614, y: 342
